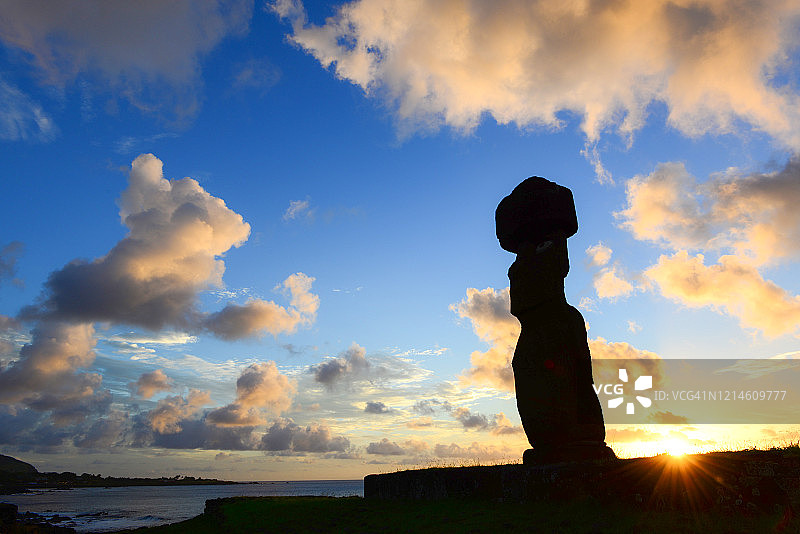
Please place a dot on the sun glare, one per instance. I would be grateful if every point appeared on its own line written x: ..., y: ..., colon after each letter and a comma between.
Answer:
x: 676, y: 447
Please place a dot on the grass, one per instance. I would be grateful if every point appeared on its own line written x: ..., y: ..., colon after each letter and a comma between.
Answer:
x: 355, y: 514
x: 575, y: 515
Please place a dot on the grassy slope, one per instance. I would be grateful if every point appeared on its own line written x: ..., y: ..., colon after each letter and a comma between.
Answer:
x: 354, y: 514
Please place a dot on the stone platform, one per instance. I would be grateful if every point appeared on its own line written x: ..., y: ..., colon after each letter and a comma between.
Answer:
x: 749, y: 481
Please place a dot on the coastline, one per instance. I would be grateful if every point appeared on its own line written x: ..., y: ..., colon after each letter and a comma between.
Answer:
x: 93, y: 509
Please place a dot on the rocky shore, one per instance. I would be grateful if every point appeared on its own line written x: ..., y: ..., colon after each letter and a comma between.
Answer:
x: 13, y: 522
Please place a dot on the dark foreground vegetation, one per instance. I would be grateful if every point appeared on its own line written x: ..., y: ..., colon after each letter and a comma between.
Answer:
x: 355, y: 514
x: 726, y: 492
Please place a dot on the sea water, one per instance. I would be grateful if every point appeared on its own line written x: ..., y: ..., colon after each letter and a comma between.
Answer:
x: 109, y: 509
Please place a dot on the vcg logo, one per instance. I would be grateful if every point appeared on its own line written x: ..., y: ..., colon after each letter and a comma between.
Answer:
x: 642, y: 383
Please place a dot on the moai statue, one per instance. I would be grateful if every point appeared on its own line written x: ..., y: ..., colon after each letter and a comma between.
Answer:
x: 552, y: 366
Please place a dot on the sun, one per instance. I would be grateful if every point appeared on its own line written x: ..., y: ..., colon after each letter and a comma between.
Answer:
x: 676, y: 447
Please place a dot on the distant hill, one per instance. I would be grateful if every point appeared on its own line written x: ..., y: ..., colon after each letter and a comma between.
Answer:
x: 9, y: 465
x: 16, y: 476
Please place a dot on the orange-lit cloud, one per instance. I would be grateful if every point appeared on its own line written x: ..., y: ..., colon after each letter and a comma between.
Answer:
x: 664, y: 207
x: 753, y: 215
x: 751, y: 220
x: 151, y: 383
x: 258, y: 316
x: 618, y: 350
x: 503, y: 426
x: 599, y: 254
x: 47, y: 376
x: 639, y: 362
x: 489, y: 312
x: 177, y: 233
x: 732, y: 286
x: 610, y: 283
x: 423, y: 422
x: 166, y: 417
x: 474, y: 452
x: 709, y: 61
x: 261, y: 387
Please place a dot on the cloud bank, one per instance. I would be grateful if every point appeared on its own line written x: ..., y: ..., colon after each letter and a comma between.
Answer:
x: 148, y: 53
x: 177, y: 233
x: 748, y: 220
x: 152, y: 278
x: 489, y: 312
x: 713, y: 63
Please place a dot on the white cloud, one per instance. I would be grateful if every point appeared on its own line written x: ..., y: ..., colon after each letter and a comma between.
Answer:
x: 298, y: 209
x: 257, y: 75
x: 21, y: 118
x: 587, y: 304
x: 285, y: 435
x: 599, y: 254
x: 352, y: 368
x: 154, y: 338
x: 148, y: 53
x: 710, y: 61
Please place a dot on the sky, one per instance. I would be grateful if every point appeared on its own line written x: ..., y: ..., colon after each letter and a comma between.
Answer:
x: 255, y: 240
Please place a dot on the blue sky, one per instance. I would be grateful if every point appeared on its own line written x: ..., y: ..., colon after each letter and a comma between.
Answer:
x: 360, y: 150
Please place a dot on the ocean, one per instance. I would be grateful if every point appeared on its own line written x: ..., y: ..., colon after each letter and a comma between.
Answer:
x: 110, y: 509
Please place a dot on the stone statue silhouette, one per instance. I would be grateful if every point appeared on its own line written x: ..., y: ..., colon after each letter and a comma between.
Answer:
x: 552, y: 365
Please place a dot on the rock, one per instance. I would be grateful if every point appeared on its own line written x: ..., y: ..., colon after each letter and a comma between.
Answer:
x: 8, y: 513
x: 535, y: 208
x: 702, y: 482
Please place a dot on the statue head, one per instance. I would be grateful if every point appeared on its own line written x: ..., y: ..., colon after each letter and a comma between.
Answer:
x: 534, y: 211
